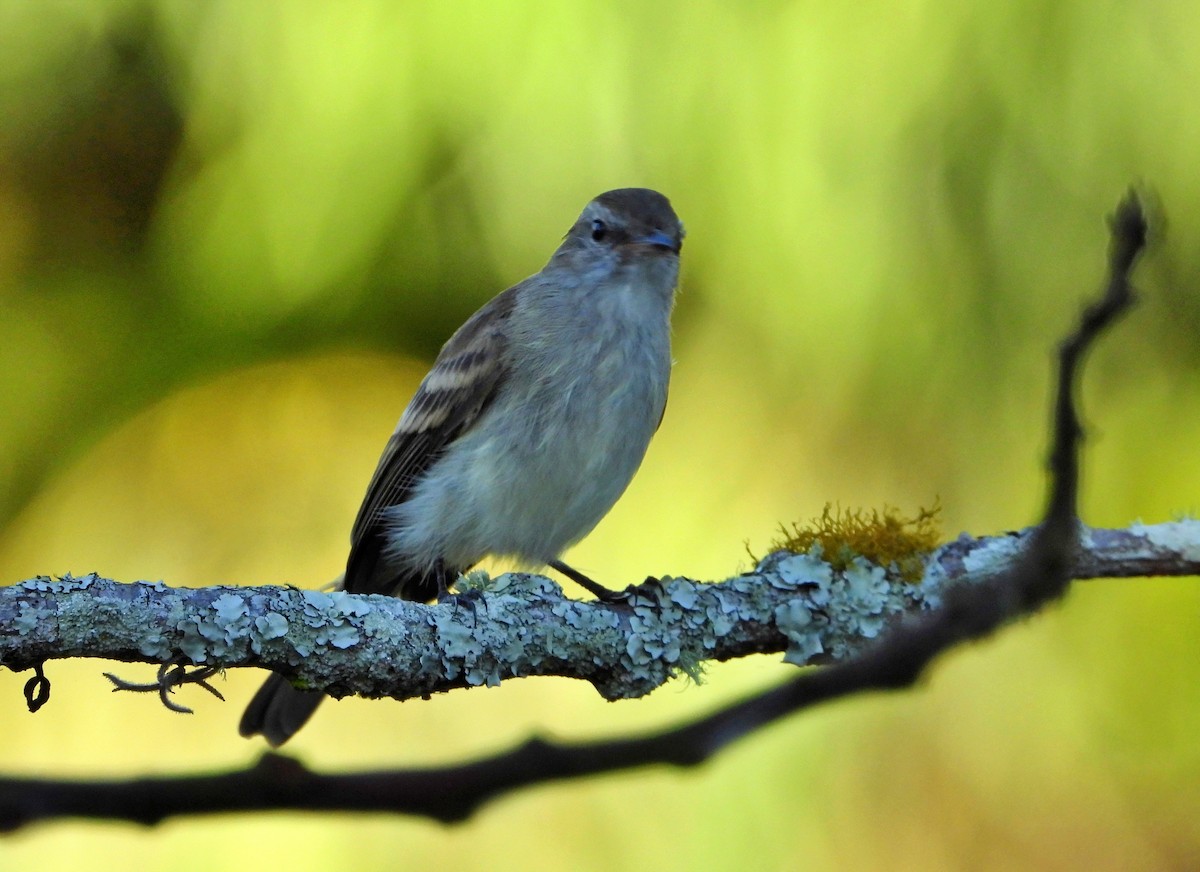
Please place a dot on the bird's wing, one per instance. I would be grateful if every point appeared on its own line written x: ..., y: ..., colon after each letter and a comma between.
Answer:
x: 463, y: 380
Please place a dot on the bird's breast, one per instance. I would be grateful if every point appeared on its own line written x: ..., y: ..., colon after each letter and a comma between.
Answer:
x: 555, y: 447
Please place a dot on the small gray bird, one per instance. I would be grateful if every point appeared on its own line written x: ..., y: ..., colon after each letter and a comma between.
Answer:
x: 527, y: 430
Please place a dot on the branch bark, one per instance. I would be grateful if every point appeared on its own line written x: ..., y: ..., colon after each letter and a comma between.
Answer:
x: 522, y: 625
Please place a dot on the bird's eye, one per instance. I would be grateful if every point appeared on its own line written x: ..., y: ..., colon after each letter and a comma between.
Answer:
x: 599, y: 230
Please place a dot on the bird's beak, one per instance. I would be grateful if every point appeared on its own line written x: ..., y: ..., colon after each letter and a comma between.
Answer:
x: 657, y: 239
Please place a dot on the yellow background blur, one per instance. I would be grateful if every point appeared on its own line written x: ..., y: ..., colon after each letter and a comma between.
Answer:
x: 233, y: 234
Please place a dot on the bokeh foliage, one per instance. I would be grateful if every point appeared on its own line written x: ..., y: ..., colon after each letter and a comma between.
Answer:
x: 232, y: 234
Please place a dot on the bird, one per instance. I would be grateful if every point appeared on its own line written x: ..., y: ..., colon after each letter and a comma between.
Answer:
x: 529, y: 426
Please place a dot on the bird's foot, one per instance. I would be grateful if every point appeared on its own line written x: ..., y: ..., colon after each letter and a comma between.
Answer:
x: 648, y: 592
x: 608, y: 595
x: 468, y: 600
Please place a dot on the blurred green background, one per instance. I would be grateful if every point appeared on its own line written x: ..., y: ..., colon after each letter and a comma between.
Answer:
x: 233, y: 235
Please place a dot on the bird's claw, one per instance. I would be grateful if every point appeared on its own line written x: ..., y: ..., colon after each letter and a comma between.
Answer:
x: 467, y: 600
x: 616, y: 597
x: 647, y: 590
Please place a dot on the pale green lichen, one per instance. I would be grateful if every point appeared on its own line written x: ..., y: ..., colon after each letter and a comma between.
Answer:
x: 341, y: 636
x: 329, y: 614
x: 993, y: 555
x: 456, y: 639
x: 382, y: 625
x: 1181, y: 537
x: 343, y: 604
x: 795, y: 620
x: 193, y: 644
x: 272, y: 625
x: 29, y: 618
x: 653, y: 651
x: 217, y: 632
x: 928, y: 593
x: 864, y: 593
x: 229, y: 608
x: 69, y: 582
x: 156, y: 646
x: 799, y: 571
x: 833, y: 609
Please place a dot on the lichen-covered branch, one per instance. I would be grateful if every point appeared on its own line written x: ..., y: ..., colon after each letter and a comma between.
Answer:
x: 522, y: 625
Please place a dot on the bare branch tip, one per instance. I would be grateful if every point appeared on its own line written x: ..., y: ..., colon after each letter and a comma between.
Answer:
x: 1130, y: 228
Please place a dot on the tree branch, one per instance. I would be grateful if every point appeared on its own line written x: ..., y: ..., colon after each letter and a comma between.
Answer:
x: 523, y: 626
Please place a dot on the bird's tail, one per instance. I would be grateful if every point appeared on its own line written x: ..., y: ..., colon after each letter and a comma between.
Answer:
x: 278, y: 710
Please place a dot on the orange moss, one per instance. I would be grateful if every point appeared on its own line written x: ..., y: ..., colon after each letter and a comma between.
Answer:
x: 885, y: 537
